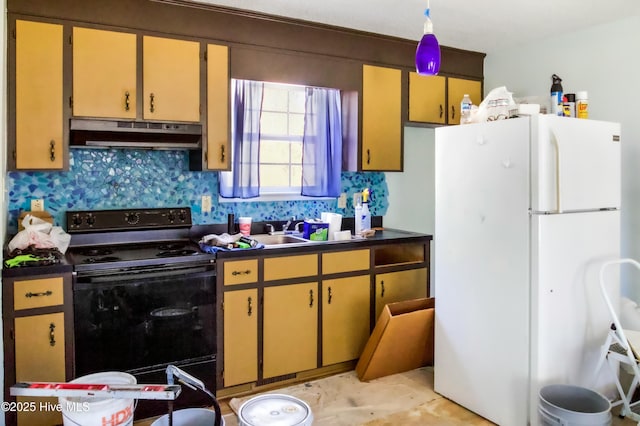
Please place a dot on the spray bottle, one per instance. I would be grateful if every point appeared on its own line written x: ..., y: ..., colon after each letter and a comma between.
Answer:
x: 365, y: 214
x: 556, y: 96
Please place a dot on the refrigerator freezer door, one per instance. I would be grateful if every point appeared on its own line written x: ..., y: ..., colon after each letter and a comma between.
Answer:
x: 575, y: 164
x: 570, y: 320
x: 482, y: 268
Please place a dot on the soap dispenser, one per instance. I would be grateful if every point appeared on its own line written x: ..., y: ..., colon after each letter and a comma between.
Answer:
x: 365, y: 214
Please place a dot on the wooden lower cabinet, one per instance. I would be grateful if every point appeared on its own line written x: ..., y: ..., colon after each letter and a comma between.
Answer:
x: 240, y: 337
x: 40, y: 356
x: 345, y: 318
x: 290, y: 330
x: 398, y: 286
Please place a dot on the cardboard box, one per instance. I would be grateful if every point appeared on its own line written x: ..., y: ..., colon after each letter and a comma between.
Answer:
x: 402, y: 340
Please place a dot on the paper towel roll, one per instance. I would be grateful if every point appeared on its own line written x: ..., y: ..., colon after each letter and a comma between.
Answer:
x: 334, y: 220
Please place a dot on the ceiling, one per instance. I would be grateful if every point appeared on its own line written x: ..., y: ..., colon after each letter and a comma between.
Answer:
x: 484, y: 26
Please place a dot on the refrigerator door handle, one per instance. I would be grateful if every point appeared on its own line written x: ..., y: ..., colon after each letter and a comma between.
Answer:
x: 556, y: 145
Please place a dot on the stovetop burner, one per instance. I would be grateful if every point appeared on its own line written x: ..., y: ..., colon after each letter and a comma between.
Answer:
x: 180, y: 252
x: 96, y: 251
x: 103, y: 259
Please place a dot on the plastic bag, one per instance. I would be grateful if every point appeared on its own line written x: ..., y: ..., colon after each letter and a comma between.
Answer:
x: 497, y: 105
x: 39, y: 234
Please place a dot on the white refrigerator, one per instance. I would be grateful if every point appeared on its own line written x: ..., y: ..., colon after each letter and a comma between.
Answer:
x: 526, y: 212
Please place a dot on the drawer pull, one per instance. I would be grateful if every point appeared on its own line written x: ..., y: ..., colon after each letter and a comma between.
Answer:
x: 52, y: 334
x: 42, y: 293
x: 311, y: 298
x: 441, y: 111
x: 222, y: 156
x: 126, y: 101
x: 52, y: 150
x: 152, y: 103
x: 249, y: 306
x: 329, y: 297
x: 247, y: 272
x: 368, y: 156
x: 453, y: 112
x: 382, y: 291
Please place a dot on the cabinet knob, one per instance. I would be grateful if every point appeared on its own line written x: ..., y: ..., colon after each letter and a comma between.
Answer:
x: 152, y: 103
x: 52, y: 334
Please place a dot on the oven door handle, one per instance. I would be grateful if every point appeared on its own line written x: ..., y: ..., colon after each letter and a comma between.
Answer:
x: 118, y: 277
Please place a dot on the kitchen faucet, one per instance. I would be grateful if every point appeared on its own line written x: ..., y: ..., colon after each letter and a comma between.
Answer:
x: 272, y: 229
x: 286, y: 225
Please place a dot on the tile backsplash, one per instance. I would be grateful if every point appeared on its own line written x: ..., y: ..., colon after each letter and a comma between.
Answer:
x: 117, y: 179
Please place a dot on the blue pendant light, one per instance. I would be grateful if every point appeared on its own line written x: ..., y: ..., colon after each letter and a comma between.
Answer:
x: 428, y: 51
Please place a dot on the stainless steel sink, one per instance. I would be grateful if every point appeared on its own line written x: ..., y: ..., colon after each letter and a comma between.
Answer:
x: 278, y: 239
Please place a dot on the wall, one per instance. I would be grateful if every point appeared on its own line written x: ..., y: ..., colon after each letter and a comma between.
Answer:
x: 411, y: 193
x: 602, y: 60
x: 112, y: 179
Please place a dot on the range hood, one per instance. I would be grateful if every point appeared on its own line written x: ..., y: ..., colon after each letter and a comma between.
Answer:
x: 96, y: 133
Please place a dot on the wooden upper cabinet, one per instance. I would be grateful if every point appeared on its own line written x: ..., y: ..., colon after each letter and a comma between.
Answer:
x: 457, y: 87
x: 171, y: 79
x: 436, y: 99
x: 427, y: 98
x: 104, y: 73
x: 218, y: 131
x: 381, y: 119
x: 39, y: 100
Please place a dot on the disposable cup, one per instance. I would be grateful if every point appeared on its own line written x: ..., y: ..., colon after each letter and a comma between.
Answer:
x: 244, y: 224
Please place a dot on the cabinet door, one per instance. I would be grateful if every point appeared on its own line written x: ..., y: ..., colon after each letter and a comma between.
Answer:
x: 104, y: 73
x: 345, y: 318
x: 240, y: 337
x: 171, y: 79
x: 457, y: 88
x: 290, y: 340
x: 398, y: 286
x: 427, y: 98
x: 218, y: 135
x: 381, y: 118
x: 39, y: 103
x: 40, y: 356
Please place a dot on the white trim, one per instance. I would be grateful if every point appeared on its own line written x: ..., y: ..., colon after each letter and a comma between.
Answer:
x: 274, y: 197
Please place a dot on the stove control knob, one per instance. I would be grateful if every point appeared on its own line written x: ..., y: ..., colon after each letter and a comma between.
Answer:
x: 171, y: 217
x: 76, y: 220
x: 182, y: 216
x: 132, y: 218
x: 91, y: 220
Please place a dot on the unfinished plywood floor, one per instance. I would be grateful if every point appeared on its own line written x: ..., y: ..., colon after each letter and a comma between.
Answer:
x: 401, y: 399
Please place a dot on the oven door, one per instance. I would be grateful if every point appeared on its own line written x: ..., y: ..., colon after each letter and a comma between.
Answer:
x: 140, y: 320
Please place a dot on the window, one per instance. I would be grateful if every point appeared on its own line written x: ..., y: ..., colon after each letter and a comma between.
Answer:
x: 281, y: 133
x: 286, y: 141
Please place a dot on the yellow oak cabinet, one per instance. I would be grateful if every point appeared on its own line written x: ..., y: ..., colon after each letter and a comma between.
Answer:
x: 290, y: 329
x: 398, y: 286
x: 104, y: 73
x: 381, y: 119
x: 33, y: 312
x: 436, y: 99
x: 171, y: 79
x: 345, y: 318
x: 218, y: 153
x: 38, y: 101
x: 240, y: 337
x: 40, y: 356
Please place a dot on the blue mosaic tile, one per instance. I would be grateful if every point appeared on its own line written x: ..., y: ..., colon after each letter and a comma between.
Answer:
x: 117, y: 179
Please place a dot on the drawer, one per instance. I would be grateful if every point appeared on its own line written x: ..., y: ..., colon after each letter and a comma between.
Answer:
x: 39, y: 293
x: 240, y: 272
x: 280, y: 268
x: 345, y: 261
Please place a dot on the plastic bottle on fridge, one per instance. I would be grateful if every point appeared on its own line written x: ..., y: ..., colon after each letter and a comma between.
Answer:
x: 465, y: 109
x: 582, y: 105
x: 556, y: 96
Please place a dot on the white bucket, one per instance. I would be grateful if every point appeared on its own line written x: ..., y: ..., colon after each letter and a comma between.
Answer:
x: 189, y: 417
x: 569, y: 405
x: 99, y: 411
x: 275, y: 410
